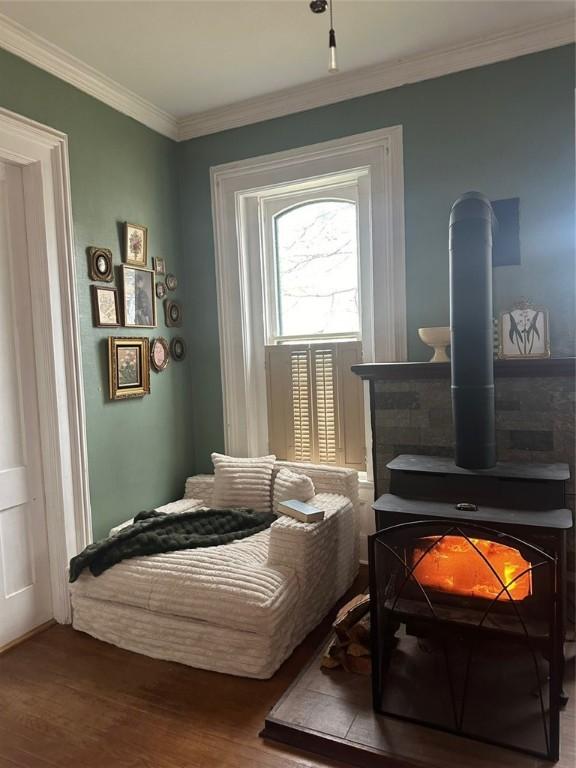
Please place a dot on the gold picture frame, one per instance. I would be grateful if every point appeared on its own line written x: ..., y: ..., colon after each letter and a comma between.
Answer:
x: 159, y: 354
x: 178, y: 348
x: 100, y: 264
x: 128, y: 367
x: 172, y: 313
x: 138, y: 297
x: 105, y: 309
x: 135, y: 244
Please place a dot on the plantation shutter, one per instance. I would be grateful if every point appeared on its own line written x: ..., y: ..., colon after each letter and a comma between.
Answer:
x: 315, y: 403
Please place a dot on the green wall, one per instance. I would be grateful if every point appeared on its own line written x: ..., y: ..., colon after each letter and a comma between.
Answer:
x: 140, y: 451
x: 505, y: 129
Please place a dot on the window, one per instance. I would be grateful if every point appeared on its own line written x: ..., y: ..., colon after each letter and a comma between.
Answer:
x: 246, y: 197
x: 310, y: 256
x: 316, y: 269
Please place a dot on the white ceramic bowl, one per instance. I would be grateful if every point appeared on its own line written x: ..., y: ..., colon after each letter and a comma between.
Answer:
x: 439, y: 339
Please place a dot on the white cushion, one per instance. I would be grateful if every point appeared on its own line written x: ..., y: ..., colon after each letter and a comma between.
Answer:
x: 290, y: 485
x: 243, y: 482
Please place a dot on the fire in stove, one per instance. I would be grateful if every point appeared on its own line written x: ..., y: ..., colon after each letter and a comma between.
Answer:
x: 471, y: 567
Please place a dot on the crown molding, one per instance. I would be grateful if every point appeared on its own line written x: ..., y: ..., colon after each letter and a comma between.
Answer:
x: 380, y: 77
x: 38, y: 51
x: 327, y: 90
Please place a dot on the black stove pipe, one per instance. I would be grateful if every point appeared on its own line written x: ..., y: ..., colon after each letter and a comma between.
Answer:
x: 472, y: 223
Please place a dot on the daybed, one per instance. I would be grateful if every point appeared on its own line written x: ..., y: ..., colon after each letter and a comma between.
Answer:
x: 240, y: 608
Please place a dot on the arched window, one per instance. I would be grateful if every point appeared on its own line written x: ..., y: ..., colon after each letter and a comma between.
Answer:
x: 316, y: 270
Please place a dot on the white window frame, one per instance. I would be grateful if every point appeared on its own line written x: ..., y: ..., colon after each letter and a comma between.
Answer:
x: 375, y: 161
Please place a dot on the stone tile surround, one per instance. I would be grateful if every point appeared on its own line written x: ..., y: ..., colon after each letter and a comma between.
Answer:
x: 535, y: 421
x: 412, y: 412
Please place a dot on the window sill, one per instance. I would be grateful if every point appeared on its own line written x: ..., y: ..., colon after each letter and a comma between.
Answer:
x: 366, y: 485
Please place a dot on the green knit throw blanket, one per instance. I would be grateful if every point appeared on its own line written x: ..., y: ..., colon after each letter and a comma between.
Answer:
x: 154, y: 532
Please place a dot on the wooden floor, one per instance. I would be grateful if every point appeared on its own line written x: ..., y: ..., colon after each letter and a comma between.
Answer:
x: 71, y: 701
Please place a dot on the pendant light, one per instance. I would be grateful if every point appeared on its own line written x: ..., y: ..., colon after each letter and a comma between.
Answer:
x: 332, y: 62
x: 320, y: 6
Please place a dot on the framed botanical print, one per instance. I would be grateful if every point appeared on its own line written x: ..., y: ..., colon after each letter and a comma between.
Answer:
x: 178, y: 348
x: 128, y: 367
x: 139, y: 304
x: 172, y: 313
x: 159, y: 354
x: 524, y: 332
x: 135, y: 244
x: 100, y: 264
x: 159, y: 266
x: 105, y: 306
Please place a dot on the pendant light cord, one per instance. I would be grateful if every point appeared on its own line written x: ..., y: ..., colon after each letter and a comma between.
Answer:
x: 331, y: 15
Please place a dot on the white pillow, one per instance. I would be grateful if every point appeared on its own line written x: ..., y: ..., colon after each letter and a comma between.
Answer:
x: 243, y: 482
x: 290, y: 485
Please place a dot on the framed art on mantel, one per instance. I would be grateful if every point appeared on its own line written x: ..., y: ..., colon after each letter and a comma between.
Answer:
x: 128, y: 367
x: 139, y: 301
x: 135, y: 244
x: 524, y: 332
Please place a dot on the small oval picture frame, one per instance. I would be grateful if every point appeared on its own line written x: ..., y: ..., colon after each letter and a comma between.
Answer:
x: 160, y: 290
x: 172, y: 313
x: 178, y: 348
x: 100, y: 264
x: 171, y: 282
x: 159, y: 354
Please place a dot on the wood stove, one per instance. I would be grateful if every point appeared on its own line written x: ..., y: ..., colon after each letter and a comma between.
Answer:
x: 469, y: 557
x: 473, y: 560
x: 526, y: 501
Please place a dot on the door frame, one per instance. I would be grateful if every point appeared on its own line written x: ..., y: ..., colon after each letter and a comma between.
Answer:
x: 42, y: 154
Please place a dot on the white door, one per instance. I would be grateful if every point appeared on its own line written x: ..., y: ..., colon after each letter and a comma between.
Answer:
x: 25, y: 596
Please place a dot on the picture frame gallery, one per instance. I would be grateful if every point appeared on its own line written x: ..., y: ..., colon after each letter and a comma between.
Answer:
x: 133, y: 305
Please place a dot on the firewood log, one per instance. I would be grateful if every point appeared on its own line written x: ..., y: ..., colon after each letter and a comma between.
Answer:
x: 355, y: 649
x: 333, y: 656
x: 360, y: 632
x: 349, y: 615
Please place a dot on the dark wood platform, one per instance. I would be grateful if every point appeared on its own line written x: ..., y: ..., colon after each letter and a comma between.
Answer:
x: 330, y: 713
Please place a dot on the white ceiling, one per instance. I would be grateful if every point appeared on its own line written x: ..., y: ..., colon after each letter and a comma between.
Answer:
x: 189, y: 57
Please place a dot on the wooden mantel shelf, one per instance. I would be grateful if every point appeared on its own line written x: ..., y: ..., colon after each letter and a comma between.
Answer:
x: 553, y: 366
